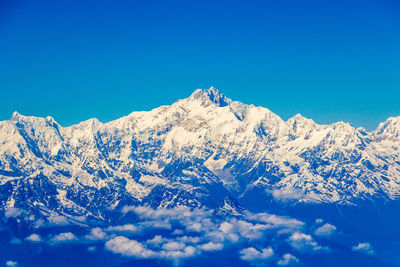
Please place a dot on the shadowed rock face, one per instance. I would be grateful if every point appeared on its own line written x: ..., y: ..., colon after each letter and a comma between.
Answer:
x: 195, y: 152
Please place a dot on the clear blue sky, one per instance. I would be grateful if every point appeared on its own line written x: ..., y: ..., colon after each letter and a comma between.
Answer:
x: 328, y: 60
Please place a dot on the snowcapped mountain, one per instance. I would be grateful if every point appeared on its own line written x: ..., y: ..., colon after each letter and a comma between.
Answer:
x: 201, y: 150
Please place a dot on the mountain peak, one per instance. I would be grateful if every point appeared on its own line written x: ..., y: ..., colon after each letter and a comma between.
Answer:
x: 298, y: 117
x: 301, y: 124
x: 15, y: 116
x: 391, y: 127
x: 212, y: 94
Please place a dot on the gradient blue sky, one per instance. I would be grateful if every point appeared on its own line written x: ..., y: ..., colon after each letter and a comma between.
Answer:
x: 328, y: 60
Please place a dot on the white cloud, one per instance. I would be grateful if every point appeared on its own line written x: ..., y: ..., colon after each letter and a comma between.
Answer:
x: 235, y: 229
x: 325, y: 230
x: 226, y: 227
x: 127, y: 209
x: 147, y: 212
x: 195, y: 227
x: 193, y: 220
x: 96, y: 234
x: 219, y: 236
x: 34, y: 238
x: 11, y: 264
x: 128, y: 247
x: 364, y: 248
x: 287, y: 194
x: 63, y: 238
x: 211, y: 246
x: 180, y: 213
x: 187, y: 252
x: 12, y: 212
x: 127, y: 229
x: 173, y: 245
x: 158, y: 240
x: 81, y: 218
x: 304, y: 243
x: 252, y: 254
x: 157, y: 224
x: 288, y: 260
x: 58, y: 220
x: 189, y: 239
x: 275, y: 221
x: 177, y: 232
x: 92, y: 248
x: 39, y: 223
x: 251, y: 231
x: 319, y: 221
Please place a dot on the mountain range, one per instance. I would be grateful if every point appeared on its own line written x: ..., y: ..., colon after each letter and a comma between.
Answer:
x: 199, y: 151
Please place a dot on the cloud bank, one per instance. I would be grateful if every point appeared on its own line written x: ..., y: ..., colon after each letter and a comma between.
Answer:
x: 180, y: 233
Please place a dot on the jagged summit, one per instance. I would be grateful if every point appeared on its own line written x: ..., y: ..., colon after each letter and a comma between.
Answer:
x: 212, y: 94
x: 301, y: 124
x: 298, y: 117
x: 18, y: 117
x: 15, y: 116
x: 391, y: 127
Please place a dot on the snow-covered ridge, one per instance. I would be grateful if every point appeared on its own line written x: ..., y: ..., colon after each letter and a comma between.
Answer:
x: 192, y: 152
